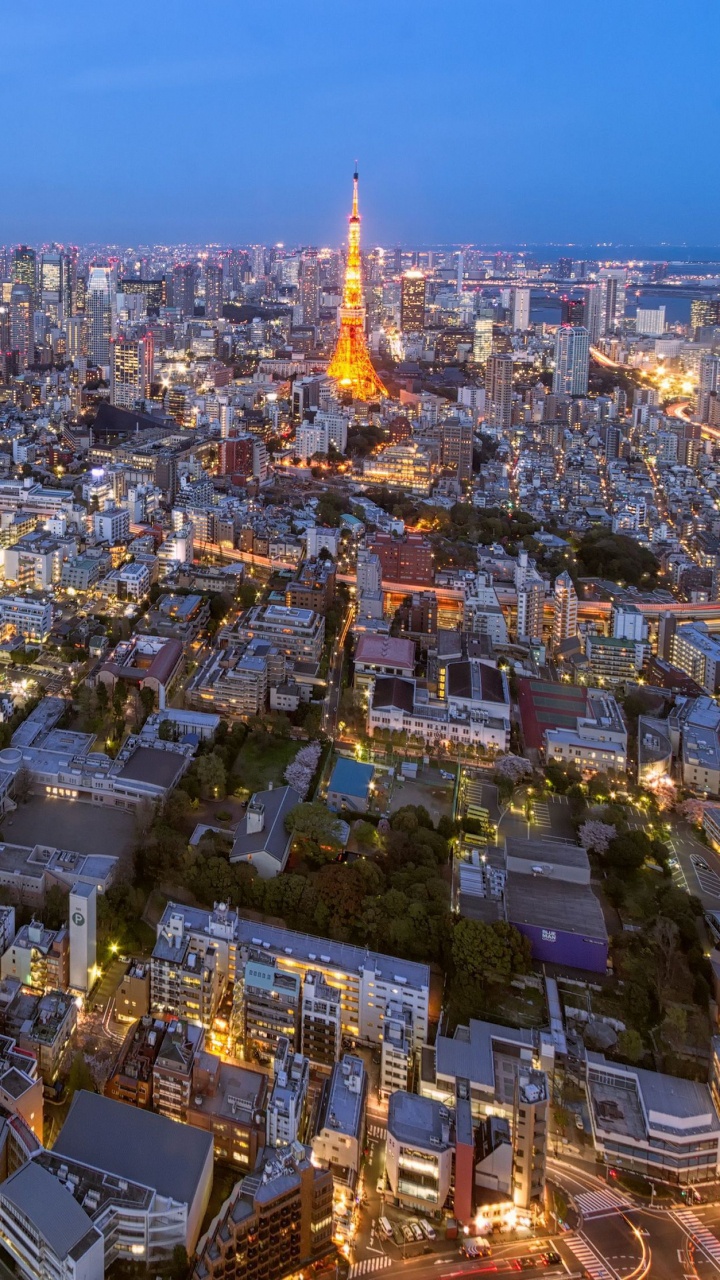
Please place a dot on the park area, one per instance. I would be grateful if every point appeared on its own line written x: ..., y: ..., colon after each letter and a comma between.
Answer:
x: 261, y: 760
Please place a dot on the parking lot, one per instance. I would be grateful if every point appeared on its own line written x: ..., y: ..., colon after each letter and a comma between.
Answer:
x: 428, y: 789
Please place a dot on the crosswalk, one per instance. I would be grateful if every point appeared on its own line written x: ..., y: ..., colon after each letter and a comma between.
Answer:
x: 587, y: 1258
x: 377, y: 1131
x: 690, y: 1223
x: 368, y: 1266
x: 598, y: 1204
x: 541, y: 815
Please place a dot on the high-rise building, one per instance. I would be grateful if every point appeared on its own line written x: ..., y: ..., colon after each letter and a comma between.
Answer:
x: 100, y: 311
x: 564, y: 268
x: 21, y: 324
x: 520, y: 310
x: 572, y: 361
x: 708, y: 385
x: 482, y: 339
x: 412, y: 302
x: 213, y: 290
x: 530, y: 605
x: 456, y: 447
x: 530, y: 1136
x: 565, y: 609
x: 498, y: 390
x: 650, y: 322
x: 310, y: 286
x: 704, y: 311
x: 613, y: 280
x: 183, y: 287
x: 572, y: 310
x: 593, y: 311
x: 24, y: 269
x: 54, y: 285
x: 131, y: 370
x: 351, y: 363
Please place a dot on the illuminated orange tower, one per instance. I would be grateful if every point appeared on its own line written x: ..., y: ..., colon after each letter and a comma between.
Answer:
x: 351, y: 363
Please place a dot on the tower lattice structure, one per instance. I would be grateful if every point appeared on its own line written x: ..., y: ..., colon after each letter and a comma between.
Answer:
x: 351, y: 363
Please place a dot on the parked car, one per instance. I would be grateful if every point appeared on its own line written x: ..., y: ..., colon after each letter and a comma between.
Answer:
x: 700, y: 863
x: 417, y: 1231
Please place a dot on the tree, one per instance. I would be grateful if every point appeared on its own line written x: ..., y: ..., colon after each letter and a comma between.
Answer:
x: 630, y: 1045
x: 211, y: 775
x: 147, y: 700
x: 312, y: 824
x: 596, y: 836
x: 626, y: 853
x: 365, y: 834
x: 23, y: 784
x: 482, y: 951
x: 617, y: 557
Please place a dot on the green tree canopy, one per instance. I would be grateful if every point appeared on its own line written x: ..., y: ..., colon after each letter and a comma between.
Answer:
x: 487, y: 951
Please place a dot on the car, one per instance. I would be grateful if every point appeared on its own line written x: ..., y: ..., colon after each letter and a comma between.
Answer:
x: 700, y: 863
x: 469, y: 1249
x: 408, y: 1235
x: 551, y: 1258
x: 380, y: 1186
x: 417, y: 1231
x: 386, y: 1227
x: 427, y: 1229
x: 579, y: 1122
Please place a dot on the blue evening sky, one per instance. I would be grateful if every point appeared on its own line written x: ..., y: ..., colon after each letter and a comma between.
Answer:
x: 473, y: 120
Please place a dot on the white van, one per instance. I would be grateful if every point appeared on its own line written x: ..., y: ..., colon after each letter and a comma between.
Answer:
x: 427, y: 1229
x: 385, y: 1227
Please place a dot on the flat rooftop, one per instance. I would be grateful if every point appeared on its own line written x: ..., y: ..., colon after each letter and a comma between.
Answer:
x: 417, y: 1121
x: 554, y: 904
x: 160, y: 768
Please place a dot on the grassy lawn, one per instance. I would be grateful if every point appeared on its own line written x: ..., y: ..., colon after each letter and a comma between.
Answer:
x: 260, y: 762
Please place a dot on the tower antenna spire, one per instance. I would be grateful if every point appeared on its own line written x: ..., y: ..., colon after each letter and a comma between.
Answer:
x: 351, y: 363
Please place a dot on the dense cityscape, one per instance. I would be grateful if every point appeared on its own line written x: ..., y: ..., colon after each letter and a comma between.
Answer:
x: 359, y: 668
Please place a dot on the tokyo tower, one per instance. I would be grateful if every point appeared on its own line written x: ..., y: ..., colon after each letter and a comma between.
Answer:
x: 351, y: 363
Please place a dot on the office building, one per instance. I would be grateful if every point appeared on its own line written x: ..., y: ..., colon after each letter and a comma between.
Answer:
x: 131, y: 370
x: 704, y: 312
x: 419, y: 1152
x: 650, y: 322
x: 55, y: 286
x: 520, y: 310
x: 112, y: 524
x: 276, y: 1221
x: 482, y: 339
x: 22, y: 338
x: 661, y: 1127
x: 498, y: 391
x: 593, y: 319
x: 456, y: 447
x: 400, y: 466
x: 24, y: 269
x: 572, y: 361
x: 184, y: 277
x: 100, y: 310
x: 29, y: 616
x: 412, y: 302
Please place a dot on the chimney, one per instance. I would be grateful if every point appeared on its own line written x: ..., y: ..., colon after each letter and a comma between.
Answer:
x: 255, y: 817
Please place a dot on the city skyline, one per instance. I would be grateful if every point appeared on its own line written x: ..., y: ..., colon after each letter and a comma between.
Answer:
x: 468, y: 128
